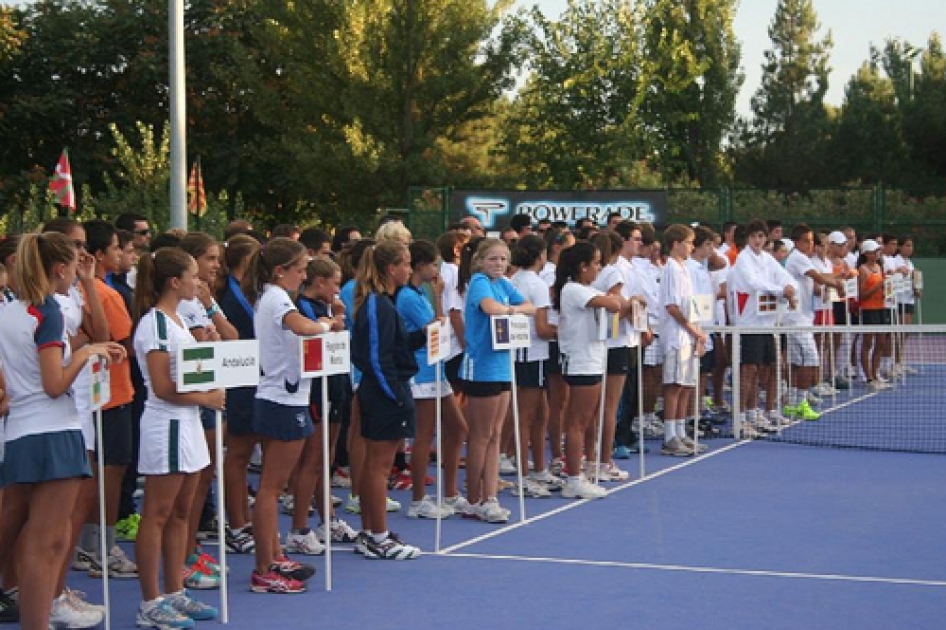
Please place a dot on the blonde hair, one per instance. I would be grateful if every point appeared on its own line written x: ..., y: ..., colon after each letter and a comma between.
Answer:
x: 35, y: 256
x: 483, y: 250
x: 394, y: 231
x: 372, y: 272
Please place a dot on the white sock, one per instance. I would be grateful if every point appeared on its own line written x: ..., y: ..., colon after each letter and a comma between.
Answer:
x: 669, y: 430
x: 681, y: 428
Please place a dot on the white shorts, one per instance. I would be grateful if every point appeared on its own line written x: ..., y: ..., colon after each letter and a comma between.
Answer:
x: 653, y: 354
x: 171, y: 446
x: 428, y: 391
x: 680, y: 367
x: 802, y: 350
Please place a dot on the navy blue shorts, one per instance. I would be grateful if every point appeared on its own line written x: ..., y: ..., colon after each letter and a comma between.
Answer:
x: 619, y: 361
x: 285, y: 423
x: 241, y: 409
x: 46, y: 457
x: 116, y: 435
x: 555, y: 358
x: 384, y: 419
x: 532, y: 374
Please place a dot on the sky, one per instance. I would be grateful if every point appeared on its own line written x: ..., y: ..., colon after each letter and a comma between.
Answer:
x: 854, y: 25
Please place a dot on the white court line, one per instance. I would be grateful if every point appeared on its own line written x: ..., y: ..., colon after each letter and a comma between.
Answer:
x: 687, y: 569
x: 580, y: 502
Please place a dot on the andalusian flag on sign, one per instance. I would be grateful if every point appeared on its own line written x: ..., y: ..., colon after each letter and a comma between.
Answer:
x: 61, y: 182
x: 193, y: 365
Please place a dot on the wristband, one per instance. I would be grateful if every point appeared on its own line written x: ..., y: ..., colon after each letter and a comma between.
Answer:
x: 213, y: 310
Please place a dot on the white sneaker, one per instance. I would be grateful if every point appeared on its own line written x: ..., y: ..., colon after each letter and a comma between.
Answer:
x: 119, y: 565
x: 391, y: 505
x: 456, y: 505
x: 776, y: 418
x: 910, y: 370
x: 532, y: 489
x: 552, y: 482
x: 426, y: 508
x: 307, y: 544
x: 489, y: 511
x: 506, y: 465
x: 692, y: 445
x: 78, y: 601
x: 675, y: 448
x: 342, y: 532
x: 580, y: 488
x: 65, y: 615
x: 615, y: 473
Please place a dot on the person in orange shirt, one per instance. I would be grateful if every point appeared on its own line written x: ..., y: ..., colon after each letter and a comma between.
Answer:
x: 873, y: 313
x: 103, y: 244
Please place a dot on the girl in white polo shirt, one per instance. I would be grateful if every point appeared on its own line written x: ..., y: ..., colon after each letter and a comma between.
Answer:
x: 172, y: 451
x: 583, y: 354
x: 282, y: 417
x: 45, y: 456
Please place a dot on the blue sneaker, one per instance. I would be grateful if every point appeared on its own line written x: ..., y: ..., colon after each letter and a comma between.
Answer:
x: 191, y: 608
x: 161, y: 614
x: 621, y: 452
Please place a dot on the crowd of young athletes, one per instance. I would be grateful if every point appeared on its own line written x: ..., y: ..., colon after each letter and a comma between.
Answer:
x: 79, y: 290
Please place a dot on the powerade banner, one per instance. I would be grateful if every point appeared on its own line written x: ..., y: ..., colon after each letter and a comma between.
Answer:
x: 494, y: 208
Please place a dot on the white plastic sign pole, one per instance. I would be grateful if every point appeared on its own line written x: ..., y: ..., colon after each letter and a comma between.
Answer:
x: 204, y: 367
x: 509, y: 332
x: 438, y: 348
x: 101, y: 394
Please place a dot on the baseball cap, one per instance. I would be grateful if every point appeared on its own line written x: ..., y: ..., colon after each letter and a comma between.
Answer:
x: 869, y: 245
x: 837, y: 238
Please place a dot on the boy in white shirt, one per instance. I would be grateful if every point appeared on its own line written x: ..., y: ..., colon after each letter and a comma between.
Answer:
x: 681, y: 339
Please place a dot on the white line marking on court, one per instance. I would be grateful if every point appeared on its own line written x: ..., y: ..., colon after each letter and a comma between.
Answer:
x: 687, y: 569
x: 580, y: 502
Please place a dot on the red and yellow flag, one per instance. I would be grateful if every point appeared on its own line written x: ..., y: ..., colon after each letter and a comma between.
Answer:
x: 196, y: 198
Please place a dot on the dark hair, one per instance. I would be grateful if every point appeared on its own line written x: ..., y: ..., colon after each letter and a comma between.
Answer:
x: 585, y: 232
x: 126, y: 221
x: 154, y: 272
x: 285, y: 229
x: 447, y: 245
x: 8, y: 247
x: 609, y: 243
x: 349, y: 259
x: 98, y: 235
x: 278, y: 252
x: 520, y: 221
x: 124, y: 237
x: 237, y: 249
x: 164, y: 239
x: 528, y: 250
x: 740, y: 236
x: 63, y: 225
x: 342, y: 236
x: 701, y: 235
x: 422, y: 253
x: 800, y: 230
x: 755, y: 226
x: 772, y: 224
x: 466, y: 262
x: 626, y: 228
x: 237, y: 226
x: 675, y: 234
x: 648, y: 234
x: 313, y: 238
x: 197, y: 243
x: 569, y: 265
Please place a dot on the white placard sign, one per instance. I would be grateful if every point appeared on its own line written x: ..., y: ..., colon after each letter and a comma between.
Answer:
x: 850, y: 289
x: 325, y: 355
x: 917, y: 280
x: 217, y: 364
x: 639, y: 317
x: 890, y: 296
x: 438, y: 342
x: 702, y: 308
x: 100, y: 382
x: 509, y: 332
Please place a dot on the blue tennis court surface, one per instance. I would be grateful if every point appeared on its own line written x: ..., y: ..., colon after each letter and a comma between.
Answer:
x: 752, y: 535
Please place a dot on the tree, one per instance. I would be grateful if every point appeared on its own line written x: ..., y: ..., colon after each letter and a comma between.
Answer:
x: 784, y: 145
x: 924, y: 126
x: 574, y: 123
x: 691, y: 79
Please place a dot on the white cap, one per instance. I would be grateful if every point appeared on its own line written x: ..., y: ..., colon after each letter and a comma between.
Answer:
x: 837, y: 238
x: 789, y: 243
x: 869, y: 245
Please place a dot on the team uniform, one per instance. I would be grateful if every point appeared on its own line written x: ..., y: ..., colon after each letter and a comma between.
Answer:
x: 802, y: 349
x: 532, y: 362
x: 676, y: 288
x: 240, y: 400
x: 486, y: 372
x: 43, y: 437
x: 282, y: 397
x: 71, y: 305
x: 618, y: 341
x: 339, y: 385
x: 583, y: 353
x: 172, y: 438
x: 416, y: 312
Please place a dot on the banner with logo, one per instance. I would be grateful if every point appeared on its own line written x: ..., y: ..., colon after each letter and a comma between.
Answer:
x: 494, y: 208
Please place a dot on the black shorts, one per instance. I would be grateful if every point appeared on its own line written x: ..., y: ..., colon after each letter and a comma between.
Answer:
x: 485, y: 389
x: 241, y: 407
x: 286, y: 423
x: 451, y: 369
x: 532, y: 374
x: 840, y: 313
x: 619, y: 361
x: 708, y: 362
x: 339, y: 397
x: 208, y: 418
x: 384, y: 419
x: 582, y: 380
x: 555, y: 359
x: 758, y: 349
x: 116, y: 435
x: 907, y: 309
x: 875, y: 317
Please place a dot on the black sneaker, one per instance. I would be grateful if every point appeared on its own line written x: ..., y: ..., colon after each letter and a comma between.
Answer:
x: 391, y: 548
x: 9, y: 610
x: 292, y: 569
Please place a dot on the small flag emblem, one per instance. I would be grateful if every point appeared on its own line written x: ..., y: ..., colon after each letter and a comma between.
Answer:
x: 194, y: 371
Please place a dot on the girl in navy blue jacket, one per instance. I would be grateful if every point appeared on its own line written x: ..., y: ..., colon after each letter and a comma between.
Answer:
x: 384, y: 352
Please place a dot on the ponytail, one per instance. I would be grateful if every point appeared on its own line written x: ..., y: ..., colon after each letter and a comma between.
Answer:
x: 35, y: 256
x: 372, y: 272
x: 277, y: 252
x: 154, y: 272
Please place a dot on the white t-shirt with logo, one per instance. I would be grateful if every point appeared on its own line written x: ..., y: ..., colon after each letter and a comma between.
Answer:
x: 582, y: 352
x: 280, y: 378
x: 534, y: 290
